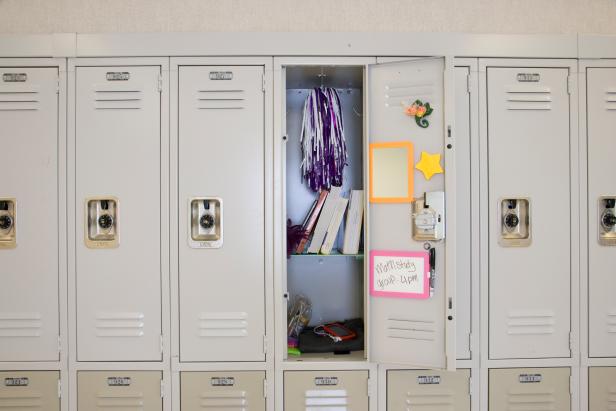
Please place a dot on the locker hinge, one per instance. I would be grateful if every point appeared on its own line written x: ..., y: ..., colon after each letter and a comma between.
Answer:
x: 571, y: 384
x: 369, y: 387
x: 160, y: 83
x: 161, y: 344
x: 264, y: 388
x: 570, y: 343
x: 263, y: 83
x: 470, y: 386
x: 162, y: 389
x: 569, y: 84
x: 470, y: 343
x: 59, y: 389
x: 469, y: 83
x: 264, y: 344
x: 58, y: 85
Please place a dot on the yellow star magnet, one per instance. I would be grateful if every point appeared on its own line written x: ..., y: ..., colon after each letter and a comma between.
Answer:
x: 429, y: 164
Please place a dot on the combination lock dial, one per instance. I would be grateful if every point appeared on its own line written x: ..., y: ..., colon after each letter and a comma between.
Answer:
x: 608, y: 220
x: 511, y: 221
x: 6, y: 222
x: 105, y: 221
x: 206, y: 221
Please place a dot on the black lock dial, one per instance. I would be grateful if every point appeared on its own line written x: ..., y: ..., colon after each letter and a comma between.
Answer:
x: 206, y: 221
x: 105, y: 221
x: 6, y: 222
x: 608, y: 220
x: 512, y: 221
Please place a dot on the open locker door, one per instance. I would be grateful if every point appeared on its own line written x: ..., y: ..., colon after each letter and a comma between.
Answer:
x: 411, y: 319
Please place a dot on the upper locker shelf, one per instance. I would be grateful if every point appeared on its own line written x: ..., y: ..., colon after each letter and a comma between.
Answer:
x: 410, y: 288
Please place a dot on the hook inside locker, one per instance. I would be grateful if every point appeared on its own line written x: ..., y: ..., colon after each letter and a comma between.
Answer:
x: 7, y: 223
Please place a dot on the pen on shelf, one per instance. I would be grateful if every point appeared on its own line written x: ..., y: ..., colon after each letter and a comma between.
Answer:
x: 432, y: 269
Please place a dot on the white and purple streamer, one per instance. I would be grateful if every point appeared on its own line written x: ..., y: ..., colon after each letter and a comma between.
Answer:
x: 323, y: 144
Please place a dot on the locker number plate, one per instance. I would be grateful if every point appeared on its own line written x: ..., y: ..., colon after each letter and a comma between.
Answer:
x: 222, y: 381
x: 530, y: 378
x: 326, y: 381
x: 16, y: 382
x: 118, y: 381
x: 529, y: 77
x: 221, y: 75
x: 428, y: 379
x: 118, y: 75
x: 14, y: 77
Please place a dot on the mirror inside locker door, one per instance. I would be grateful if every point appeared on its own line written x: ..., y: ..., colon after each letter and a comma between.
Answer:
x: 102, y: 222
x: 7, y: 223
x: 206, y: 222
x: 607, y: 220
x: 515, y: 222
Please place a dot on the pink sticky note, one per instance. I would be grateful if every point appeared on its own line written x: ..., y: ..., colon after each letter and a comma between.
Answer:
x: 400, y: 274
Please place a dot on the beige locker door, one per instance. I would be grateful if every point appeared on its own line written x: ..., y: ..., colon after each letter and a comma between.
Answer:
x: 119, y: 390
x: 602, y: 388
x: 29, y: 390
x: 229, y: 390
x: 423, y: 390
x: 29, y: 320
x: 530, y: 389
x: 326, y: 390
x: 221, y: 156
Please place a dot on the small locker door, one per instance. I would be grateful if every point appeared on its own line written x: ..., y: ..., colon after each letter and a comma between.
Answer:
x: 529, y: 389
x: 119, y: 390
x: 408, y: 330
x: 601, y: 115
x: 602, y: 388
x: 29, y: 312
x: 463, y: 212
x: 529, y: 212
x: 230, y: 390
x: 118, y: 215
x: 29, y: 390
x: 221, y: 207
x: 424, y: 390
x: 331, y: 390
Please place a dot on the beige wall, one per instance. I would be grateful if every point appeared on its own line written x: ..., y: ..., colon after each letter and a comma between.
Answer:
x: 478, y: 16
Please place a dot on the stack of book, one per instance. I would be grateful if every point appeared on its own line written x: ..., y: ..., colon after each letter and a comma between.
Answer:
x: 322, y: 223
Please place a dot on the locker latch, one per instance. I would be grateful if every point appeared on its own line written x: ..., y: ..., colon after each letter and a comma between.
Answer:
x: 7, y: 223
x: 206, y: 222
x: 429, y: 217
x: 102, y: 228
x: 607, y: 220
x: 514, y: 214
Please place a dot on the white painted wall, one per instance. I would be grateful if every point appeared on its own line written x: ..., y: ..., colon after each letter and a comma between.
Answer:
x: 477, y: 16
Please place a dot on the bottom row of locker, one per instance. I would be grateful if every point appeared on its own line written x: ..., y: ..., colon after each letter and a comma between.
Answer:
x: 522, y: 388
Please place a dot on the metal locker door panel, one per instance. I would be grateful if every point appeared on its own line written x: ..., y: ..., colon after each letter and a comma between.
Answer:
x: 601, y: 115
x: 118, y: 154
x: 29, y: 390
x: 331, y: 390
x: 221, y: 157
x: 424, y: 390
x: 230, y: 390
x: 463, y: 213
x: 528, y: 160
x: 119, y: 390
x: 530, y: 389
x: 403, y: 330
x: 29, y: 312
x: 602, y: 388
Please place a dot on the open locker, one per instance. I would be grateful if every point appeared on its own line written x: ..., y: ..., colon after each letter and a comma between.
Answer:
x: 529, y: 389
x: 32, y: 390
x: 29, y: 213
x: 118, y: 213
x: 601, y: 203
x: 387, y: 325
x: 528, y: 112
x: 128, y: 390
x: 233, y: 390
x: 427, y: 390
x: 221, y: 212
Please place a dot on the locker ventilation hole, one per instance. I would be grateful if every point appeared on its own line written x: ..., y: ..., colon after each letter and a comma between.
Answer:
x: 611, y: 322
x: 120, y: 324
x: 229, y: 400
x: 519, y: 400
x: 528, y: 97
x: 610, y: 99
x: 116, y: 98
x: 330, y: 400
x: 129, y: 401
x: 435, y: 400
x: 223, y: 324
x: 611, y: 398
x: 20, y: 324
x: 221, y: 99
x: 19, y: 99
x: 530, y: 322
x: 411, y: 329
x: 399, y: 93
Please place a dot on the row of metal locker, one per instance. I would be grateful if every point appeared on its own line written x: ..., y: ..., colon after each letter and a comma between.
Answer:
x: 508, y: 389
